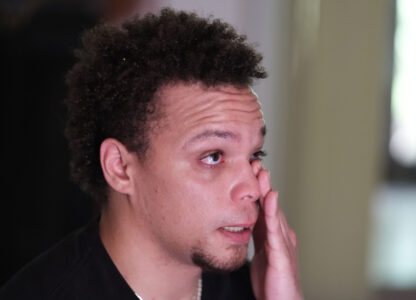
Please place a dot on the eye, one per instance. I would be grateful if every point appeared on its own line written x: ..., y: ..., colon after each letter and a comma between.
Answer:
x: 214, y: 158
x: 258, y: 155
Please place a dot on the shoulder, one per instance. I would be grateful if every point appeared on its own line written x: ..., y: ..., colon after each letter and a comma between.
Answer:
x: 74, y: 268
x: 233, y: 285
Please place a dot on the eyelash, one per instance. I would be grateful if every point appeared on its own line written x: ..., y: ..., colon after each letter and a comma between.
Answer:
x: 220, y: 153
x: 256, y: 155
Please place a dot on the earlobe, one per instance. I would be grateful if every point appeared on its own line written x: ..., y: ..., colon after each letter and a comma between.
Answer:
x: 114, y: 159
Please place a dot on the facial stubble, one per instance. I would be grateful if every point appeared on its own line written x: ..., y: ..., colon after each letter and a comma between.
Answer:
x: 211, y: 263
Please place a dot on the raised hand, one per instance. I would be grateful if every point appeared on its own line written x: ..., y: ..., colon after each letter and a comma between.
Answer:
x: 274, y: 268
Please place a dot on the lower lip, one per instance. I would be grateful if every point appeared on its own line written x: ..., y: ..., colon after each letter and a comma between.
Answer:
x: 237, y: 237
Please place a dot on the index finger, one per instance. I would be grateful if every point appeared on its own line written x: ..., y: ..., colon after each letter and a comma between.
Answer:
x: 256, y: 166
x: 264, y: 182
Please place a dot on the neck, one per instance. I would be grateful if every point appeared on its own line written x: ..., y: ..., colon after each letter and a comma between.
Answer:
x: 147, y: 268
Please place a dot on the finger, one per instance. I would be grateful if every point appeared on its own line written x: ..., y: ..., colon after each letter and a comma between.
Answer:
x: 276, y: 238
x: 259, y: 233
x: 283, y: 226
x: 271, y: 207
x: 270, y: 212
x: 287, y: 231
x: 265, y: 186
x: 256, y: 165
x: 260, y: 230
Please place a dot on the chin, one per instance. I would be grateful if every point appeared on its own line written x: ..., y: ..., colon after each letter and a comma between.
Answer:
x: 215, y: 263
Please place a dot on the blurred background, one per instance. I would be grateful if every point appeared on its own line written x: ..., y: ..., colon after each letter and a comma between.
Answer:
x: 340, y: 105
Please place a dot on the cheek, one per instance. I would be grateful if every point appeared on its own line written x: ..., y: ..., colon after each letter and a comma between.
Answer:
x: 206, y: 196
x: 192, y: 193
x: 179, y: 203
x: 211, y: 184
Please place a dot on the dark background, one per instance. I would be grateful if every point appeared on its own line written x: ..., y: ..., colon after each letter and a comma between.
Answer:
x: 39, y: 203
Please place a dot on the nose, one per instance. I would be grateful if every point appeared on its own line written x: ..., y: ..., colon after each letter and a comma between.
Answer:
x: 246, y: 185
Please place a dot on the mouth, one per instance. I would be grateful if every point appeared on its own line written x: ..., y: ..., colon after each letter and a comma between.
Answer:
x: 237, y: 233
x: 234, y: 228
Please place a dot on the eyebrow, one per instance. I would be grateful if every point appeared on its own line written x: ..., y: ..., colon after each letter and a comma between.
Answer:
x: 222, y: 134
x: 213, y: 133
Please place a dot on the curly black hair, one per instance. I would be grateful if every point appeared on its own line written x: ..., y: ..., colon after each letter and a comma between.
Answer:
x: 112, y: 87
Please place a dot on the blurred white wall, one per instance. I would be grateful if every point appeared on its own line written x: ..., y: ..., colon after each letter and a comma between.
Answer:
x: 336, y: 123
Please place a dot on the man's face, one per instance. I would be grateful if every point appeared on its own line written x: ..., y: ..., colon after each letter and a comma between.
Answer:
x: 197, y: 191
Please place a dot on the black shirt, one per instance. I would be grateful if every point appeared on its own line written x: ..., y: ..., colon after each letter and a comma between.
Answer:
x: 79, y: 267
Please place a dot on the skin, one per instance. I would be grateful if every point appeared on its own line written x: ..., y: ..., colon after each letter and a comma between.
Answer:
x: 274, y: 268
x: 201, y: 173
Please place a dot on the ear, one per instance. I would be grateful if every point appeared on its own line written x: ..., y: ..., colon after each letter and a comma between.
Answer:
x: 115, y: 160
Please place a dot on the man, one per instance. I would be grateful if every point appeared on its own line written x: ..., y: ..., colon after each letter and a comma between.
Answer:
x: 167, y: 136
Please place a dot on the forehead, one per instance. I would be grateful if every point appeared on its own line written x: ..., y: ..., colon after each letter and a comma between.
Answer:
x: 195, y: 105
